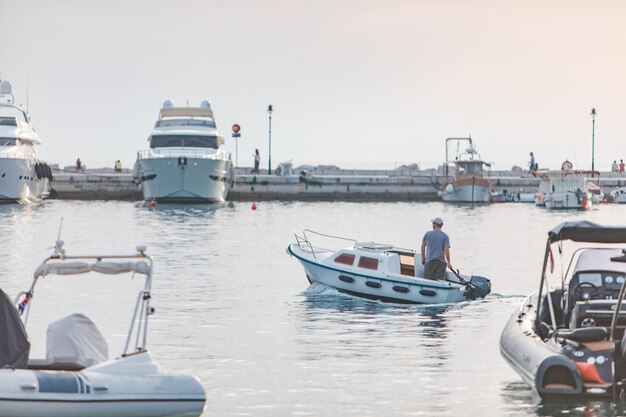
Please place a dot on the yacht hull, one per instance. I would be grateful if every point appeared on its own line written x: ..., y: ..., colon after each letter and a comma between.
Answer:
x: 185, y: 179
x: 19, y: 182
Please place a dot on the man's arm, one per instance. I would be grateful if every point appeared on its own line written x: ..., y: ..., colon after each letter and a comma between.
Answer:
x: 447, y: 255
x: 423, y: 252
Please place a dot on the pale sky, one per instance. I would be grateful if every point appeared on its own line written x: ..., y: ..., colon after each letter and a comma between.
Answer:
x: 355, y: 83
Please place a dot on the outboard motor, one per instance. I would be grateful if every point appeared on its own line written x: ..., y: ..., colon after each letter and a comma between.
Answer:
x: 478, y: 287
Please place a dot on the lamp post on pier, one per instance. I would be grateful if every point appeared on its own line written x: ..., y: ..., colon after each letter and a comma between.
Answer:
x: 593, y: 144
x: 269, y: 165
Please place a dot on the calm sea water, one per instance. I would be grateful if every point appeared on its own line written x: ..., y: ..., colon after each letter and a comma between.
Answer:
x: 235, y: 310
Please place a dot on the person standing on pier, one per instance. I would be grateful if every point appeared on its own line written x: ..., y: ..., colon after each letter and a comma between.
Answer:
x: 621, y: 165
x: 436, y: 251
x: 532, y: 167
x: 614, y: 167
x: 257, y: 161
x: 79, y: 165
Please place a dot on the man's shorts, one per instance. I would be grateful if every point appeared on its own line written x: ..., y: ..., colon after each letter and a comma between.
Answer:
x: 435, y: 269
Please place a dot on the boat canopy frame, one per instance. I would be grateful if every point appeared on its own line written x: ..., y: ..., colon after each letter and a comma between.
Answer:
x: 580, y: 231
x: 139, y: 263
x: 304, y: 240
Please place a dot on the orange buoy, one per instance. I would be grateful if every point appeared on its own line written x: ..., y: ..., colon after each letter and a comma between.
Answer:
x: 540, y: 197
x: 152, y: 203
x: 605, y: 201
x: 253, y: 205
x: 584, y: 203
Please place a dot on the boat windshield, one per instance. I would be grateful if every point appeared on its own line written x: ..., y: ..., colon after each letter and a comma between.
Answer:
x: 9, y: 142
x: 177, y: 141
x: 469, y: 168
x: 9, y: 115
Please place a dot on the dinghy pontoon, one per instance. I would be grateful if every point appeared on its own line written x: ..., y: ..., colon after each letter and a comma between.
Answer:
x: 568, y: 340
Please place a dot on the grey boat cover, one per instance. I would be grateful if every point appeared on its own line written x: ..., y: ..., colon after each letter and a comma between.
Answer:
x: 585, y: 231
x: 14, y: 344
x: 76, y: 339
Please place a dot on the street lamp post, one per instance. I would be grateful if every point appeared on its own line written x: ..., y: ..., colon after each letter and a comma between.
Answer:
x: 593, y: 143
x: 269, y: 166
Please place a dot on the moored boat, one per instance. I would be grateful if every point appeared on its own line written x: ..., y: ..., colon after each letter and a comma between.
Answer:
x: 619, y: 195
x: 76, y: 378
x: 186, y: 162
x: 382, y: 272
x: 567, y: 340
x: 468, y: 183
x: 22, y: 177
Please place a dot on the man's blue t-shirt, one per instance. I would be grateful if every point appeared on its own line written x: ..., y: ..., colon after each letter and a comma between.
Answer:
x: 436, y: 241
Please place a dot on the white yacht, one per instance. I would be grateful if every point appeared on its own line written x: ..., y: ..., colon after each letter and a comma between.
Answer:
x: 22, y: 177
x: 185, y: 161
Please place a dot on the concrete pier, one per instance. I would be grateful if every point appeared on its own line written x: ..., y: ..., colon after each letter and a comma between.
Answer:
x: 321, y: 184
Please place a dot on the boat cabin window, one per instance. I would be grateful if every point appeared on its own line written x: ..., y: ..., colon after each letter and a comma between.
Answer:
x: 469, y: 168
x: 9, y: 142
x: 345, y: 258
x: 179, y: 141
x: 8, y: 121
x: 368, y: 263
x: 184, y: 122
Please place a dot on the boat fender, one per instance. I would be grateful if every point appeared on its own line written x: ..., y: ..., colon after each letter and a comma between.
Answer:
x: 449, y: 188
x: 589, y: 372
x: 38, y: 170
x: 428, y: 293
x: 48, y: 172
x: 344, y: 278
x: 399, y: 288
x: 373, y: 284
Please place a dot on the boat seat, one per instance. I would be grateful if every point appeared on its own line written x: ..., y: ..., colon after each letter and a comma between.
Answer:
x: 67, y: 363
x: 586, y: 334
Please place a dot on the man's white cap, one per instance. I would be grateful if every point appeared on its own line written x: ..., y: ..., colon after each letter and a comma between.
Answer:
x: 437, y: 220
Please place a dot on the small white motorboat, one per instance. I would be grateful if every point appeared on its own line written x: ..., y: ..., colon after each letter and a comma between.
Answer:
x: 382, y: 272
x: 76, y: 379
x: 619, y: 195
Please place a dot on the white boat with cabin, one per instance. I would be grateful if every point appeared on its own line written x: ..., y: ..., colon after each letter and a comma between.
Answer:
x: 76, y: 378
x: 382, y: 272
x: 468, y: 184
x: 567, y: 190
x: 186, y: 162
x: 22, y: 177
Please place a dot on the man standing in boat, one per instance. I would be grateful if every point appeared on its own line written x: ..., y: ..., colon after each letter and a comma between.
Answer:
x: 436, y: 251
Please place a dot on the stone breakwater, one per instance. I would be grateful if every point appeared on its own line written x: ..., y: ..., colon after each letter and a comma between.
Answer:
x: 329, y: 185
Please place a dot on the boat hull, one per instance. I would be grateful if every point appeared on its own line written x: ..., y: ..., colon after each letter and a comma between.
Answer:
x: 126, y: 387
x: 567, y: 201
x: 185, y: 179
x: 19, y: 182
x: 467, y: 191
x: 390, y: 288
